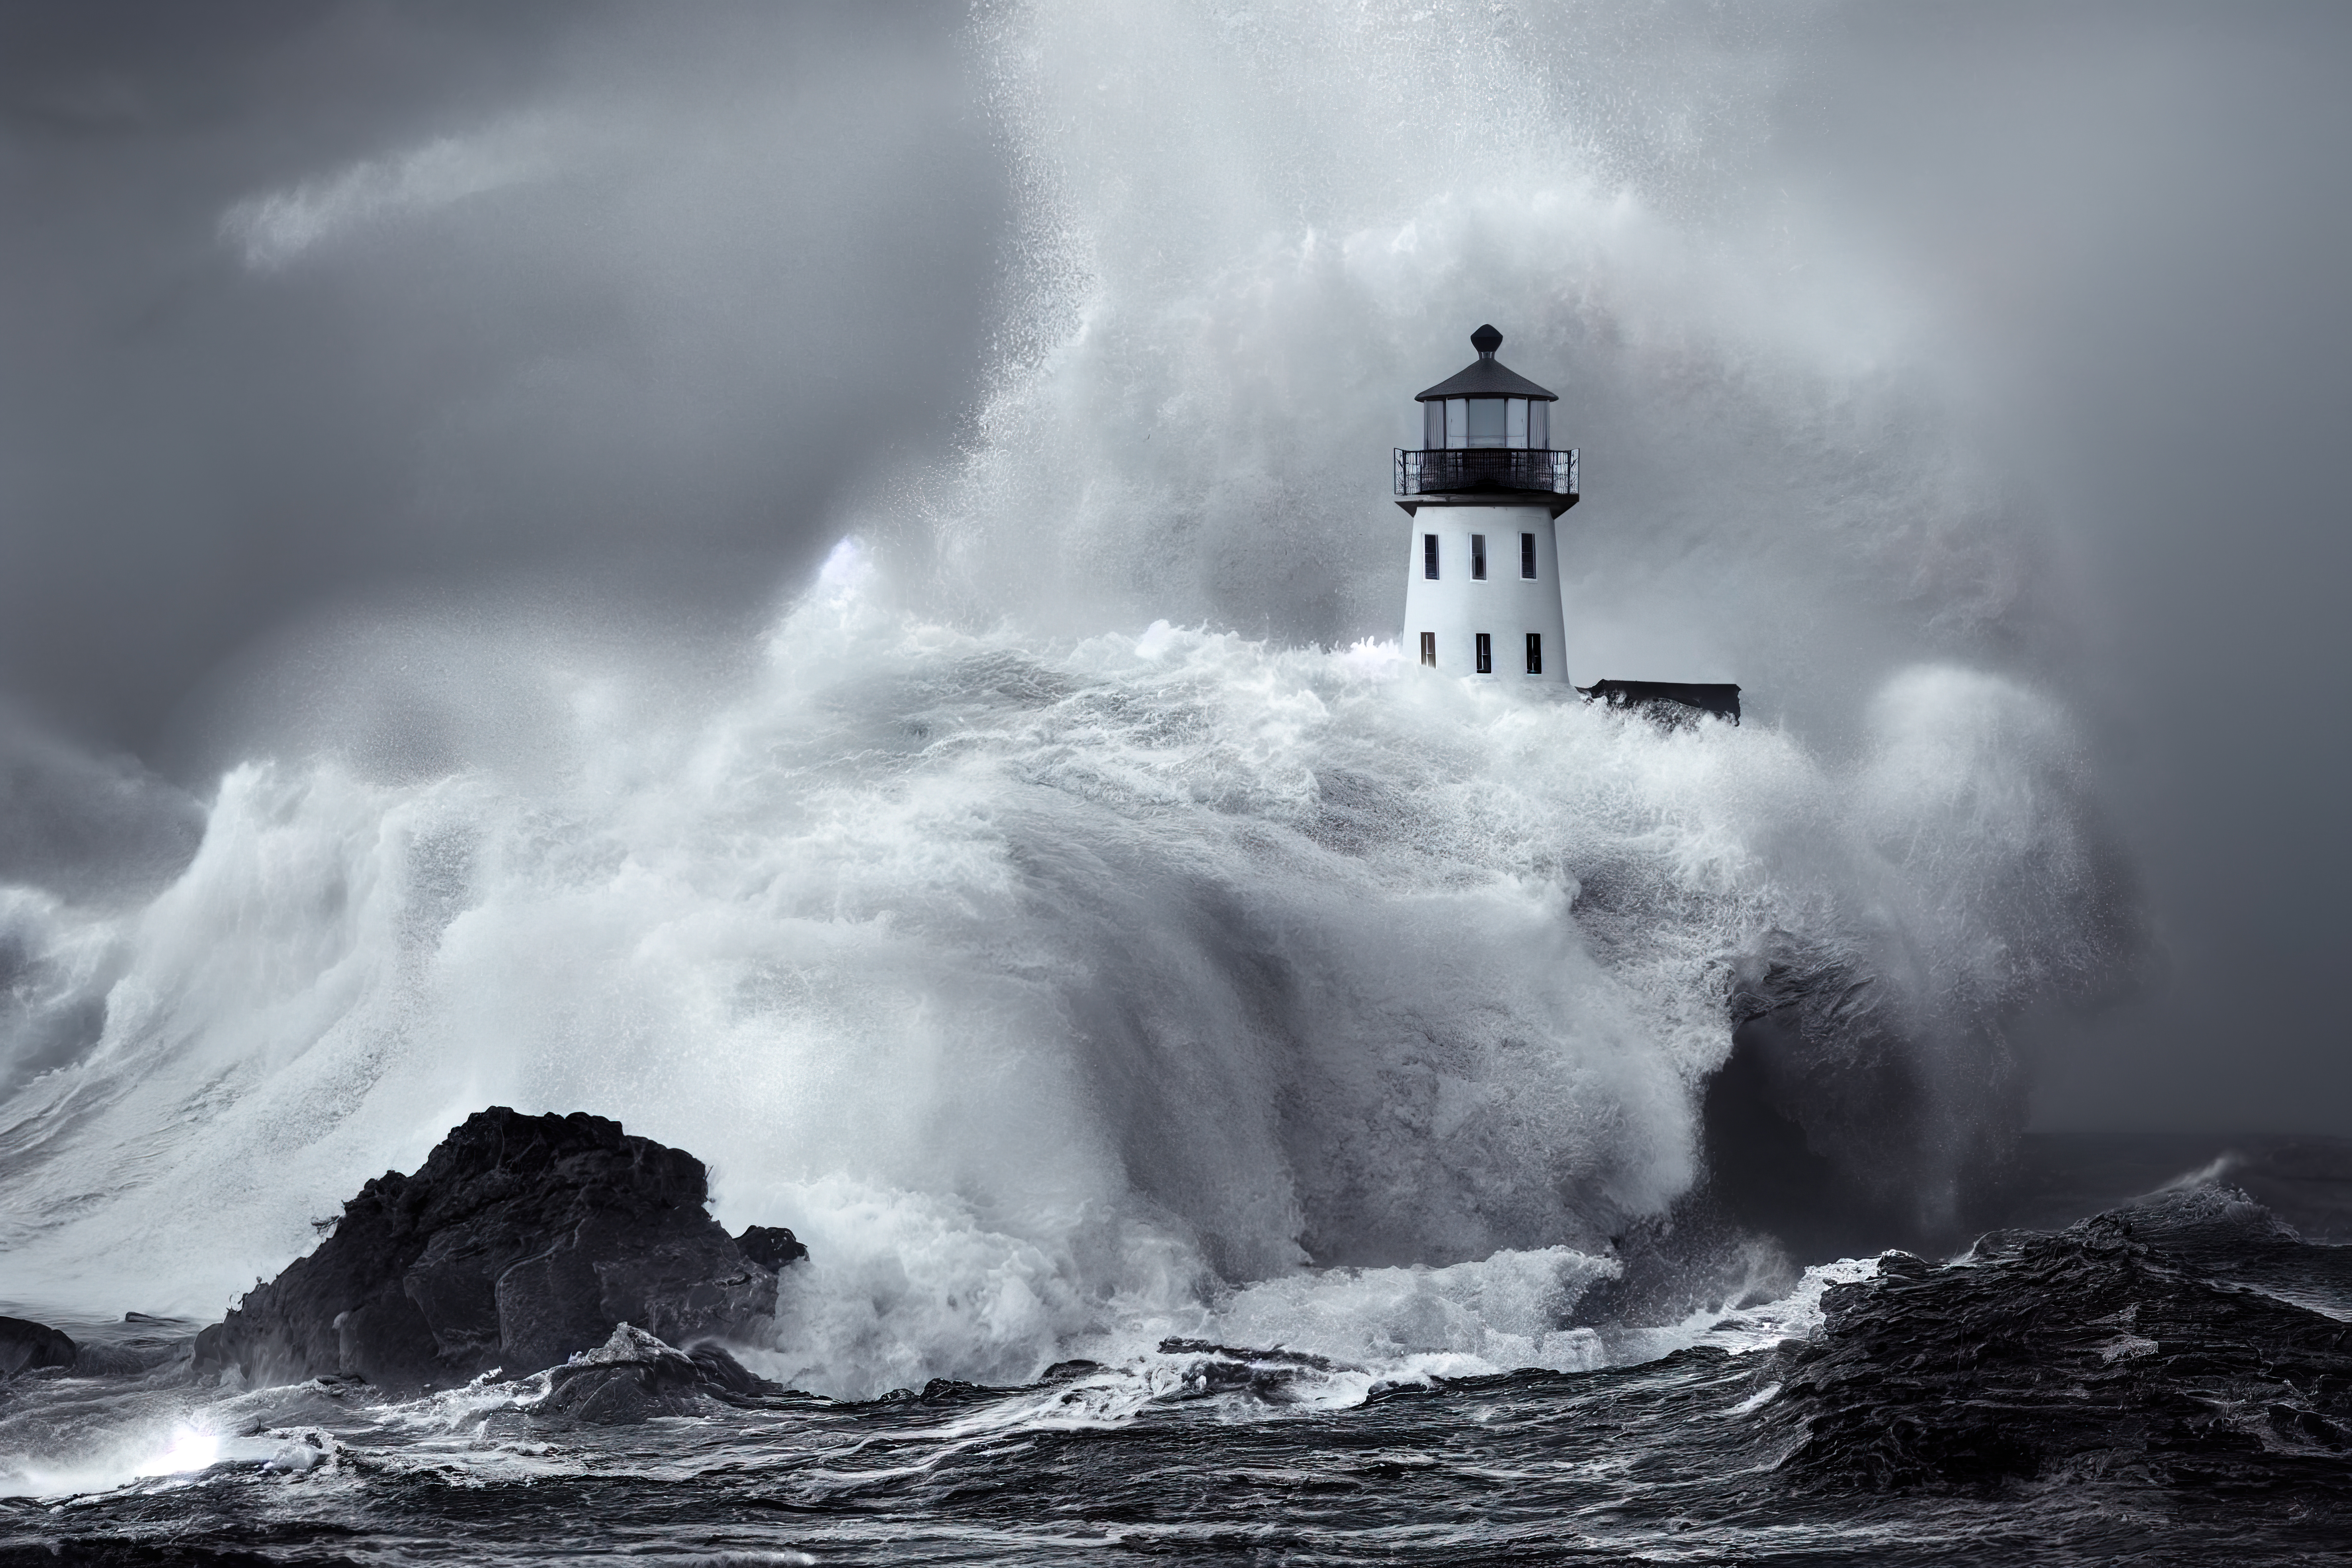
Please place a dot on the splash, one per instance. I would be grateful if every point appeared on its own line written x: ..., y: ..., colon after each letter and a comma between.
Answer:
x: 1051, y: 990
x: 1249, y: 233
x: 1069, y: 986
x: 274, y: 230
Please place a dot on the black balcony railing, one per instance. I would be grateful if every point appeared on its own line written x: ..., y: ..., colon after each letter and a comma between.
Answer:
x: 1457, y: 470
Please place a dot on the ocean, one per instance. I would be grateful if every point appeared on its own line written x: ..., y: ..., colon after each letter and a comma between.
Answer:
x: 1245, y: 1097
x: 2211, y: 1445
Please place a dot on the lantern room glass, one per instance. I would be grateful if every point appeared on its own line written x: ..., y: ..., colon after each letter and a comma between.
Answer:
x: 1517, y: 423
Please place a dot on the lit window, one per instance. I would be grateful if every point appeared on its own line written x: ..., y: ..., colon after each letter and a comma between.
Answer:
x: 1429, y: 556
x: 1429, y: 650
x: 1479, y: 557
x: 1485, y: 654
x: 1534, y: 653
x: 1528, y: 555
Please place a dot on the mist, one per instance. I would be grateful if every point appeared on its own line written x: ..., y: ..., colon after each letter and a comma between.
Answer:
x: 2131, y: 223
x: 349, y: 344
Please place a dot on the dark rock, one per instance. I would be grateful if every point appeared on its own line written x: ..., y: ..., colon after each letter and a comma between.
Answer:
x: 28, y: 1346
x: 2127, y: 1345
x: 521, y: 1241
x: 728, y: 1378
x: 633, y: 1376
x: 771, y: 1247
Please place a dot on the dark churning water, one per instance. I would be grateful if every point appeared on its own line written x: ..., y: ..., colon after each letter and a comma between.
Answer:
x: 2170, y: 1380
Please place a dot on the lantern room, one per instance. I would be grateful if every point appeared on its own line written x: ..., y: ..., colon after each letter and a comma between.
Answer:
x: 1485, y: 429
x: 1487, y: 405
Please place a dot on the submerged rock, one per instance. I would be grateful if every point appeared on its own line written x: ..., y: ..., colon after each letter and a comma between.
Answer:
x: 634, y: 1376
x: 28, y: 1346
x: 520, y: 1241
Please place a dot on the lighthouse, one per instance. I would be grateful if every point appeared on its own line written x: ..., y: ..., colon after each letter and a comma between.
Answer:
x: 1485, y: 491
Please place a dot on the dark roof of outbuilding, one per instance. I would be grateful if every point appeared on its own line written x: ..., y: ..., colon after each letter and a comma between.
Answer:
x: 1488, y: 377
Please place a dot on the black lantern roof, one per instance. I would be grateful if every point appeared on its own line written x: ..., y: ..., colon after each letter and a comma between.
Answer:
x: 1488, y: 377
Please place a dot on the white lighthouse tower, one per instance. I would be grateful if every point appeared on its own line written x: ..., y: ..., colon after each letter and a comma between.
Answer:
x: 1485, y: 492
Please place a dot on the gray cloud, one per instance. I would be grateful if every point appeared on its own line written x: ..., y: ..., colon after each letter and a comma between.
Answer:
x: 2132, y: 224
x: 312, y: 303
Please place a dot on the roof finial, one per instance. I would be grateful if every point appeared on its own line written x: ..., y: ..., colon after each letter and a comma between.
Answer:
x: 1486, y: 340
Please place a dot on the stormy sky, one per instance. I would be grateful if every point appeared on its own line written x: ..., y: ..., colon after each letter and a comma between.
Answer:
x: 313, y: 307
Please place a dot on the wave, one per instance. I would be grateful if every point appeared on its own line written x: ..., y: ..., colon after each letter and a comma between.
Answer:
x: 1069, y: 988
x: 1050, y: 991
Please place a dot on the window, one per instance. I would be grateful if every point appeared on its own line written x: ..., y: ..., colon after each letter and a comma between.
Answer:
x: 1478, y: 558
x: 1534, y: 653
x: 1528, y: 556
x: 1429, y: 650
x: 1515, y: 422
x: 1485, y: 654
x: 1429, y: 556
x: 1432, y: 423
x: 1540, y: 424
x: 1457, y: 422
x: 1485, y: 427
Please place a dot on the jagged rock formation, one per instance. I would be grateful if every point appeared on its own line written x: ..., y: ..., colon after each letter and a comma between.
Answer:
x: 632, y: 1377
x: 771, y: 1245
x: 520, y: 1241
x: 28, y: 1346
x: 2128, y: 1344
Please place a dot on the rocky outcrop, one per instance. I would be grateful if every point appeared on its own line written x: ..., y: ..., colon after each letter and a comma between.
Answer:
x: 632, y: 1377
x: 28, y: 1346
x: 2128, y: 1344
x: 520, y: 1241
x: 771, y: 1245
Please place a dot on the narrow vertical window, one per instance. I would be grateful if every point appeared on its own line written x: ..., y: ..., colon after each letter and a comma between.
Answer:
x: 1528, y: 556
x: 1432, y: 423
x: 1478, y: 558
x: 1429, y: 556
x: 1534, y: 653
x: 1515, y: 422
x: 1540, y: 424
x: 1457, y: 422
x: 1485, y: 654
x: 1429, y: 650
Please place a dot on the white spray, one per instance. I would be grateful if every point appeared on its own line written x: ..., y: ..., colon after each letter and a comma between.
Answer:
x: 1066, y: 987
